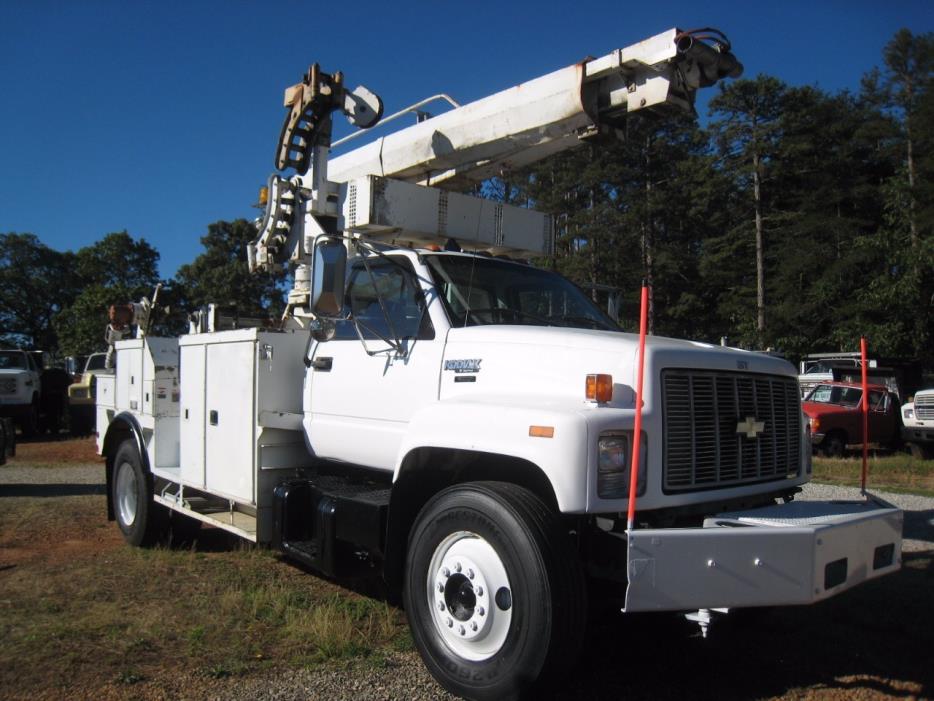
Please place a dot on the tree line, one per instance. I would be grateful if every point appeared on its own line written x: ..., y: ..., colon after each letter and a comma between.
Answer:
x: 58, y: 301
x: 796, y: 218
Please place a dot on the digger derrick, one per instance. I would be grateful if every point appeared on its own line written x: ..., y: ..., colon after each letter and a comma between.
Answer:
x: 362, y: 191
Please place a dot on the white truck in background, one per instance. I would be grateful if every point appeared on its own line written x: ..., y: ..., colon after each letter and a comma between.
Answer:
x: 918, y: 424
x: 462, y: 424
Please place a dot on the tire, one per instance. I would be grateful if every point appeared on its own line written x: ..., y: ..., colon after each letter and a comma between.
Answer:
x: 142, y: 521
x: 834, y: 445
x: 511, y: 586
x: 29, y: 423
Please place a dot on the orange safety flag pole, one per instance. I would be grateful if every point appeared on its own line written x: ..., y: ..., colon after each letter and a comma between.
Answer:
x: 862, y: 351
x: 637, y: 436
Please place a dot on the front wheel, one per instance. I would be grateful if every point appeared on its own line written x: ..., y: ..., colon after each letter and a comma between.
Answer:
x: 494, y: 592
x: 142, y: 521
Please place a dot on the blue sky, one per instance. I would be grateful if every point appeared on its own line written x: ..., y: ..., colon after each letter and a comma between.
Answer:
x: 162, y: 117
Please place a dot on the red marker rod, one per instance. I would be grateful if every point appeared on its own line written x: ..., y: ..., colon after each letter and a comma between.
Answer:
x: 865, y: 363
x: 637, y: 436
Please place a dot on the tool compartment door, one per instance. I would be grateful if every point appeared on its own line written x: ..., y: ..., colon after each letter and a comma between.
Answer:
x: 229, y: 419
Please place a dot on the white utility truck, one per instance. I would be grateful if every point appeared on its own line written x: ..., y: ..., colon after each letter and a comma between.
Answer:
x: 462, y: 424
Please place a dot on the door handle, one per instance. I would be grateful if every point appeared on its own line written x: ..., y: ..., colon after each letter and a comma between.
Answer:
x: 322, y: 364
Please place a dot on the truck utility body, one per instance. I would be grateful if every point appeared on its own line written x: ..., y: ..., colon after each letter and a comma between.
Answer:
x: 463, y: 425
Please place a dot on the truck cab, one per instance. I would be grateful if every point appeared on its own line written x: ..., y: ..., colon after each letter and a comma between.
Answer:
x: 20, y: 389
x: 835, y: 410
x: 82, y: 394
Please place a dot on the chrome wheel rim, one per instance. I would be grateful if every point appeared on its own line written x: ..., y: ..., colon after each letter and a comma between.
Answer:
x: 126, y: 493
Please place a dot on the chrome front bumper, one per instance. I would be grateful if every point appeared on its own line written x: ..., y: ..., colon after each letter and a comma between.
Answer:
x: 795, y: 553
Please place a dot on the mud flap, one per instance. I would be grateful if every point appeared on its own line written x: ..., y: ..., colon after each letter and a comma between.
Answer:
x: 795, y: 553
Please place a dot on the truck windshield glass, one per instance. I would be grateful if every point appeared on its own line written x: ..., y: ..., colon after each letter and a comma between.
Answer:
x: 96, y: 362
x: 832, y: 394
x: 479, y: 291
x: 12, y: 360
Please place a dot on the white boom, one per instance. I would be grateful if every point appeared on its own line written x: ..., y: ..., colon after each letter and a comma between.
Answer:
x: 531, y: 121
x: 516, y: 127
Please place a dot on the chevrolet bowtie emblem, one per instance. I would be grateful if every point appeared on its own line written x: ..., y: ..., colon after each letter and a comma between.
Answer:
x: 750, y: 427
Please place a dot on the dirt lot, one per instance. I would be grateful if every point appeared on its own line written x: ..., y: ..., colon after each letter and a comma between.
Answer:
x: 84, y: 616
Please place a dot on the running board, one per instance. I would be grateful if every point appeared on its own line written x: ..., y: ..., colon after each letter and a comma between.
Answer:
x: 229, y: 519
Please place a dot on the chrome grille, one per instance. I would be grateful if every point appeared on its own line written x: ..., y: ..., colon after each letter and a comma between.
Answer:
x: 924, y: 406
x: 703, y: 446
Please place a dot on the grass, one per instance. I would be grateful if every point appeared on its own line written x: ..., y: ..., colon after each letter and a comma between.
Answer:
x: 894, y: 473
x: 76, y: 603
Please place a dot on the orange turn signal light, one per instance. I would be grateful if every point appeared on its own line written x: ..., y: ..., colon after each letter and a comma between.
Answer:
x: 599, y: 388
x: 542, y: 431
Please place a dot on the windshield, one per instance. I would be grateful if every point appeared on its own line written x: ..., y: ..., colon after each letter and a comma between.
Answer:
x: 12, y: 360
x: 96, y: 362
x: 833, y: 394
x: 479, y: 291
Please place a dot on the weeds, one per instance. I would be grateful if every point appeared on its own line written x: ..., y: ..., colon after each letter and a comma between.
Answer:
x: 86, y: 604
x: 896, y: 473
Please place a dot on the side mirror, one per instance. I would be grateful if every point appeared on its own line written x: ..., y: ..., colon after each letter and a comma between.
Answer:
x: 327, y: 281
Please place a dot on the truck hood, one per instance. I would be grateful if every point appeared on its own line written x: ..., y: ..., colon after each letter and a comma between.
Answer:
x: 13, y: 372
x: 554, y: 361
x: 815, y: 409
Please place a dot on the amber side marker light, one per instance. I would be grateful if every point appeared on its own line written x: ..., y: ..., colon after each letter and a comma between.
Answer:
x: 542, y: 431
x: 599, y: 388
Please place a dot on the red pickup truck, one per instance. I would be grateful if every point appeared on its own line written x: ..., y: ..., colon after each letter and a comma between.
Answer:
x: 835, y: 415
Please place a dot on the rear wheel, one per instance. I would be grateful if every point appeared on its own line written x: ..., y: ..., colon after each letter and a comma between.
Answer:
x: 494, y: 592
x: 141, y: 520
x: 29, y: 424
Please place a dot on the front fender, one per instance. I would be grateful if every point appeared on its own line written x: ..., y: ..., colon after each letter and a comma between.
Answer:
x: 502, y: 426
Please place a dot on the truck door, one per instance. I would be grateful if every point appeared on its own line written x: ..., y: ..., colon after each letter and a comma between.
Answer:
x: 882, y: 421
x: 362, y: 393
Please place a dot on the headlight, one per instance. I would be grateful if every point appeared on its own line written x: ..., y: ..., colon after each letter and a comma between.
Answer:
x: 815, y: 424
x: 613, y: 462
x: 909, y: 413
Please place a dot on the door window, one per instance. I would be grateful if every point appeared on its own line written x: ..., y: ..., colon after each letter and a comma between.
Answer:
x: 385, y: 303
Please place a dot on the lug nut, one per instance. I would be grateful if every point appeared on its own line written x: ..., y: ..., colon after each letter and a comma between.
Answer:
x: 441, y: 606
x: 445, y: 572
x: 457, y: 567
x: 481, y: 611
x: 461, y: 630
x: 450, y: 623
x: 440, y: 587
x: 479, y: 591
x: 470, y: 574
x: 473, y: 626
